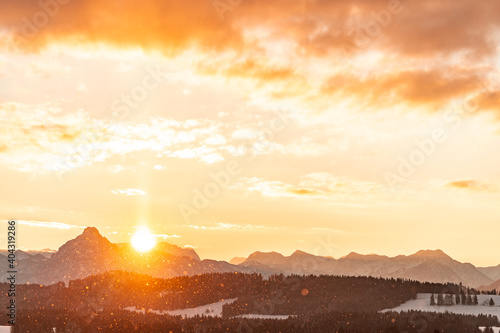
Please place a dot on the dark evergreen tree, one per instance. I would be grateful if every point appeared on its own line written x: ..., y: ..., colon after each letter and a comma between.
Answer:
x: 492, y: 302
x: 440, y: 299
x: 448, y: 300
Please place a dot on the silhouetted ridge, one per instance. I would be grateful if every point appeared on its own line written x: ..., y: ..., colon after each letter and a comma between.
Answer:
x: 431, y: 254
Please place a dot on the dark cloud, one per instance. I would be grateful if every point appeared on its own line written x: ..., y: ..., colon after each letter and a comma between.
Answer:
x: 167, y: 25
x: 414, y: 28
x: 425, y: 32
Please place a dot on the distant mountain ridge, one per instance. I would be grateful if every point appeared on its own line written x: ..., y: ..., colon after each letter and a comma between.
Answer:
x: 45, y: 253
x: 491, y: 272
x: 495, y: 285
x: 91, y: 253
x: 424, y: 265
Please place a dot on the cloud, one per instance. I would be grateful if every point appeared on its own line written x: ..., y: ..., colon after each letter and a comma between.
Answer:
x: 159, y: 167
x: 302, y: 191
x: 47, y: 224
x: 434, y: 88
x: 39, y: 137
x: 167, y: 25
x: 416, y: 53
x: 231, y: 226
x: 129, y: 191
x: 43, y: 138
x: 487, y: 100
x: 418, y: 29
x: 165, y: 236
x: 473, y: 185
x: 315, y: 185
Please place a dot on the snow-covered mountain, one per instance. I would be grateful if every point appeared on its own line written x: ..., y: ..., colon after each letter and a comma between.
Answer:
x: 91, y: 253
x: 425, y: 265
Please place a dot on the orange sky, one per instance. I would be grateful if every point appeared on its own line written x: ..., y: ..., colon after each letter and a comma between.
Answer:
x: 234, y: 126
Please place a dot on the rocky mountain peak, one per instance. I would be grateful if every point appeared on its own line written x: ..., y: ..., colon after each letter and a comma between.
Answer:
x: 88, y: 242
x: 430, y: 254
x: 91, y: 232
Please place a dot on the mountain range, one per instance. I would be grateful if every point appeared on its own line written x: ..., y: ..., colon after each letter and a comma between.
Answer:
x: 425, y: 265
x: 91, y: 253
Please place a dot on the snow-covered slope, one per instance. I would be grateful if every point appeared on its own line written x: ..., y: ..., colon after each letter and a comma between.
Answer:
x: 422, y: 303
x: 211, y: 310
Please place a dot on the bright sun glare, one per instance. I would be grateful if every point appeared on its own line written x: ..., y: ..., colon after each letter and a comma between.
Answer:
x: 143, y: 240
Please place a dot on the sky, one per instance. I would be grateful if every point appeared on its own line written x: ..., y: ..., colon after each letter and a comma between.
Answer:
x: 232, y: 126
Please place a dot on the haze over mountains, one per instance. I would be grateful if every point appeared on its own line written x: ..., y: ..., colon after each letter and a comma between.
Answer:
x: 425, y: 265
x: 91, y: 253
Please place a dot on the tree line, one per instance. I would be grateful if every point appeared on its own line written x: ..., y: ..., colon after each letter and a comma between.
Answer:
x: 113, y: 321
x: 349, y: 304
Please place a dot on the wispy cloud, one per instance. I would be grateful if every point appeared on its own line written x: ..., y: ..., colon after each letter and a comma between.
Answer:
x: 47, y: 224
x: 165, y: 236
x: 231, y: 226
x: 129, y: 191
x: 316, y: 185
x: 43, y: 138
x: 159, y: 167
x: 473, y: 185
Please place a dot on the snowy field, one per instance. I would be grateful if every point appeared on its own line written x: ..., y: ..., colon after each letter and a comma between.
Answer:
x: 495, y: 329
x: 422, y: 303
x: 6, y: 329
x: 262, y: 316
x: 213, y: 310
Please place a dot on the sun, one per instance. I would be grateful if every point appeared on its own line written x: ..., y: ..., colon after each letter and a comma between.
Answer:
x: 143, y: 240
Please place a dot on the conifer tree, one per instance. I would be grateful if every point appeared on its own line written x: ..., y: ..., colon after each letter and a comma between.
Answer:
x: 440, y: 299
